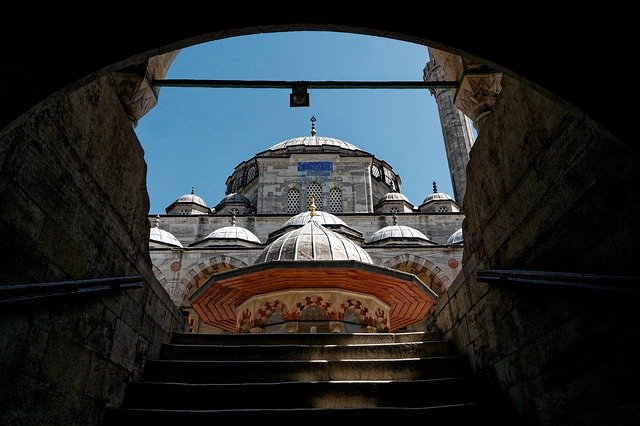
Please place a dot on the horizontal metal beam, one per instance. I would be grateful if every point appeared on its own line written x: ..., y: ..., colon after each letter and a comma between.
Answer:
x: 561, y: 280
x: 54, y: 290
x: 277, y: 84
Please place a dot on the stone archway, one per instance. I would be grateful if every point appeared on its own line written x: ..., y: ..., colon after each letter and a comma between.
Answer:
x: 201, y: 272
x: 425, y: 270
x: 194, y: 278
x: 543, y: 198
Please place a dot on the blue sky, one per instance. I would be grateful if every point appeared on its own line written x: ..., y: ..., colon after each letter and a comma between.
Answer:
x: 196, y: 136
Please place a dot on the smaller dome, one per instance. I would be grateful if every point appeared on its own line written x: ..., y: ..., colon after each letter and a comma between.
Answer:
x: 437, y: 196
x: 455, y: 238
x: 233, y: 232
x: 313, y: 242
x: 234, y: 197
x: 393, y: 196
x: 192, y: 198
x: 323, y: 218
x: 161, y: 236
x: 397, y: 232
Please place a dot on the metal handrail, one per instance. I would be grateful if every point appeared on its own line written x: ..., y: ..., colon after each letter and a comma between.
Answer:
x: 561, y: 280
x: 31, y: 292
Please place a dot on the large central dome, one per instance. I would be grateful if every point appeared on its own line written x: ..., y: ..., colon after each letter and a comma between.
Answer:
x: 314, y: 141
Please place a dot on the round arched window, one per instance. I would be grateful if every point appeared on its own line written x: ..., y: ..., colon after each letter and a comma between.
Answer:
x: 375, y: 171
x: 252, y: 173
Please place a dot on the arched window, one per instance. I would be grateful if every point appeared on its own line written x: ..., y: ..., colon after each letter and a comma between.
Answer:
x: 314, y: 191
x: 252, y: 172
x: 293, y: 201
x: 335, y: 200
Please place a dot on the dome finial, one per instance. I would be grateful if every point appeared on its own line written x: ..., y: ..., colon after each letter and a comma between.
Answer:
x: 395, y: 218
x: 312, y: 208
x: 435, y: 188
x: 157, y: 221
x: 193, y: 190
x: 313, y: 125
x: 233, y: 220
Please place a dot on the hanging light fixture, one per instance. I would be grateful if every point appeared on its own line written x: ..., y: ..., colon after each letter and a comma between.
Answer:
x: 299, y: 96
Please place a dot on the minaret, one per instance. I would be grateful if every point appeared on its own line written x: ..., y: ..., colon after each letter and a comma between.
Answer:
x: 456, y: 130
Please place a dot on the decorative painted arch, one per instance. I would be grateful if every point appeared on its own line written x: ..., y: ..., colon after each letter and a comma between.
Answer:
x: 203, y: 270
x: 427, y: 271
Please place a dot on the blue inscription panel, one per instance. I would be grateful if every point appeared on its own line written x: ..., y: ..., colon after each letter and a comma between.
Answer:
x: 315, y: 166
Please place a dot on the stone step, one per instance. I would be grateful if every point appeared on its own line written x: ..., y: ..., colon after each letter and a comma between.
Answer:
x: 181, y: 371
x: 451, y: 414
x: 306, y: 352
x: 415, y: 393
x: 300, y: 338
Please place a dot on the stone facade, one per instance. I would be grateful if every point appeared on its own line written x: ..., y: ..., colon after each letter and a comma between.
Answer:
x: 341, y: 179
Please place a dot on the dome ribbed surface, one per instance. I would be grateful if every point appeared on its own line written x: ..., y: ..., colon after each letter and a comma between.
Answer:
x: 234, y: 232
x: 437, y: 196
x: 313, y: 242
x: 397, y: 231
x: 161, y: 236
x: 393, y: 196
x: 234, y: 197
x: 191, y: 198
x: 455, y: 238
x: 323, y: 218
x: 314, y: 141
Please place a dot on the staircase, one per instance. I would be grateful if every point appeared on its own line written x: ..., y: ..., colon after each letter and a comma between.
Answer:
x: 302, y: 377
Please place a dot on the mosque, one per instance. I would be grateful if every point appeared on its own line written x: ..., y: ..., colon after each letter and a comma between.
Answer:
x: 313, y: 234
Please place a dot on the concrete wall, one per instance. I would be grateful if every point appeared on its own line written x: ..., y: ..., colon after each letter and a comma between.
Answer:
x: 547, y: 190
x: 73, y: 204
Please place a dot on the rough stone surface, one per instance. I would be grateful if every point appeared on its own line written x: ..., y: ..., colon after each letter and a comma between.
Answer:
x: 551, y: 194
x: 66, y: 184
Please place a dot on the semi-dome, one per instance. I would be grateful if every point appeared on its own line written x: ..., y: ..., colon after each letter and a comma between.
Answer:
x: 313, y: 242
x: 455, y: 238
x: 321, y: 217
x: 400, y: 232
x: 314, y: 141
x: 157, y: 235
x: 393, y: 196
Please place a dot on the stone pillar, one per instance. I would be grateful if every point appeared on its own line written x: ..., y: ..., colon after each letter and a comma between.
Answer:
x: 456, y: 129
x: 135, y: 92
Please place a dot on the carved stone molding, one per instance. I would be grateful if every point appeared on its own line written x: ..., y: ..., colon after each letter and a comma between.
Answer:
x: 133, y: 85
x: 477, y: 94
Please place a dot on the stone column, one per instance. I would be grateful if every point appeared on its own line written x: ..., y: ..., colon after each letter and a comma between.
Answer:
x: 456, y: 129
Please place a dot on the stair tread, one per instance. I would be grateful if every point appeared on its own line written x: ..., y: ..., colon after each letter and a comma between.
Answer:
x: 383, y: 382
x: 283, y: 361
x: 429, y: 407
x: 312, y: 345
x: 244, y: 377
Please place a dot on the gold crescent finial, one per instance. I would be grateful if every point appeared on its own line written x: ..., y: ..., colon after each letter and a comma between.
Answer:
x: 312, y: 207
